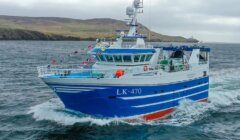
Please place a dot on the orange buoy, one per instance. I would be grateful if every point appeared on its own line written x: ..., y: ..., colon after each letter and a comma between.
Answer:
x: 119, y: 73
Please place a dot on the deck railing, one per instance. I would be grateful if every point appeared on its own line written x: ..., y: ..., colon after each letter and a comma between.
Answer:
x: 74, y: 71
x: 83, y: 71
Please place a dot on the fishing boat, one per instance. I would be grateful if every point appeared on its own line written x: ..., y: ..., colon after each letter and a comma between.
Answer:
x: 132, y: 80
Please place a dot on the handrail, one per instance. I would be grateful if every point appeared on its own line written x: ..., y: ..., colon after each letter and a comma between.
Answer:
x: 44, y: 71
x: 84, y: 70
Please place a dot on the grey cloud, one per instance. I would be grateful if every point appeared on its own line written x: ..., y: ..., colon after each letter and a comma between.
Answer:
x: 208, y: 20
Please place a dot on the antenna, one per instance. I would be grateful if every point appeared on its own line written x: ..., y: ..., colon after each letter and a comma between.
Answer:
x: 130, y: 11
x: 138, y: 5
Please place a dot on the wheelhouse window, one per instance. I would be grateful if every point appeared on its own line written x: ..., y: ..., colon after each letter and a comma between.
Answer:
x: 97, y: 58
x: 142, y: 58
x: 177, y: 54
x: 127, y: 58
x: 117, y: 58
x: 102, y: 58
x: 124, y: 58
x: 203, y: 57
x: 109, y: 58
x: 136, y: 58
x: 148, y: 57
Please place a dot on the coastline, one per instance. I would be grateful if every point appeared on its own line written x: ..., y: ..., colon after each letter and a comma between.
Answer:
x: 20, y: 34
x: 67, y: 29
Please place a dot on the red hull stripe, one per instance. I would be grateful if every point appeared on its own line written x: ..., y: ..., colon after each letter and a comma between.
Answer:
x: 158, y: 115
x: 204, y: 100
x: 163, y: 114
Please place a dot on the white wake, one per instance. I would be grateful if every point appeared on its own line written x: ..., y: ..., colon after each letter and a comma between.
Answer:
x: 53, y: 110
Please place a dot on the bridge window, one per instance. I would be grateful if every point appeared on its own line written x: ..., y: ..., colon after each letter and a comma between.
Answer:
x: 102, y: 58
x: 109, y: 58
x: 117, y: 58
x: 203, y: 57
x: 124, y: 58
x: 97, y: 57
x: 127, y: 58
x: 142, y: 58
x: 148, y: 58
x: 136, y: 58
x: 177, y: 54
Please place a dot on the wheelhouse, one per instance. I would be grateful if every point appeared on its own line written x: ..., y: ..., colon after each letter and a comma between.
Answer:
x: 123, y: 56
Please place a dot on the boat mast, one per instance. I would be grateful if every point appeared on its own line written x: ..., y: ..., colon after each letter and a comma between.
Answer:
x: 132, y: 12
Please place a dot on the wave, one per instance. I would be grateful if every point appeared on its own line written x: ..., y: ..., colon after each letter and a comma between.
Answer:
x: 225, y: 87
x: 224, y: 91
x: 53, y: 110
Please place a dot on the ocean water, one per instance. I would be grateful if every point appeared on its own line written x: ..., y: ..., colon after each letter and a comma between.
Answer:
x: 30, y: 110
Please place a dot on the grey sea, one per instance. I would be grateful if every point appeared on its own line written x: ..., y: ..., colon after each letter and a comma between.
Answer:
x: 30, y: 110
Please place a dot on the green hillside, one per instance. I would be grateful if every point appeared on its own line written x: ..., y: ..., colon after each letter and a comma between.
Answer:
x: 51, y: 28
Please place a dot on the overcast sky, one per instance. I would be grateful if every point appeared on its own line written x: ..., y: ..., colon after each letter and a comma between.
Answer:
x: 206, y: 20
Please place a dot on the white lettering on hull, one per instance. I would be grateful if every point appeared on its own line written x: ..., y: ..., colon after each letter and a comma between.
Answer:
x: 133, y: 91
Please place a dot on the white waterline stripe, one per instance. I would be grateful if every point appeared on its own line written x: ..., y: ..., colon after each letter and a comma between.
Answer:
x: 78, y: 87
x: 57, y: 89
x: 157, y: 103
x: 74, y: 89
x: 161, y: 94
x: 65, y: 91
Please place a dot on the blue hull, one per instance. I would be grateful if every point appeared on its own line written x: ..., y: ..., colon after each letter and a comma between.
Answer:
x: 127, y: 101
